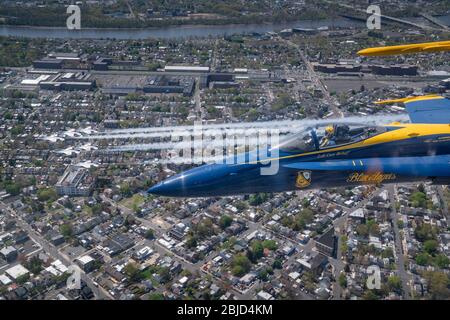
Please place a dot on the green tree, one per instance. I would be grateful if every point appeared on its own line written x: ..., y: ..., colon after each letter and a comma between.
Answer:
x: 387, y: 253
x: 225, y: 221
x: 394, y: 283
x: 23, y: 279
x: 66, y: 230
x: 438, y: 285
x: 156, y: 296
x: 425, y: 232
x: 164, y: 273
x: 442, y: 261
x: 96, y: 209
x: 270, y: 244
x: 240, y: 265
x: 362, y: 230
x: 149, y: 234
x: 7, y: 115
x: 47, y: 194
x: 257, y: 199
x: 257, y: 250
x: 372, y: 227
x: 370, y: 295
x: 34, y: 264
x: 423, y: 259
x: 342, y: 280
x: 132, y: 271
x: 430, y: 246
x: 125, y: 190
x: 277, y: 264
x: 191, y: 241
x: 12, y: 188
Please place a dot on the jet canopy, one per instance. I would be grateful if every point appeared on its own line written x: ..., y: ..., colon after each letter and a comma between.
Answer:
x: 329, y: 135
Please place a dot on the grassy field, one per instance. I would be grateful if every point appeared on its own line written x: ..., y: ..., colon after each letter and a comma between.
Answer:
x: 136, y: 200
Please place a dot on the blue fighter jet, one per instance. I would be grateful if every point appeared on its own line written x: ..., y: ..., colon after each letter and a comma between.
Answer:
x: 340, y: 154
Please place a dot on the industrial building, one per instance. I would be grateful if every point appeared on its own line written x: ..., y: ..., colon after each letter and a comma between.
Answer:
x: 66, y: 86
x: 394, y: 70
x: 223, y: 85
x: 59, y: 60
x: 58, y: 81
x: 101, y: 64
x: 341, y: 68
x: 170, y: 84
x: 48, y: 64
x: 69, y: 81
x: 335, y: 68
x: 75, y: 181
x: 185, y: 69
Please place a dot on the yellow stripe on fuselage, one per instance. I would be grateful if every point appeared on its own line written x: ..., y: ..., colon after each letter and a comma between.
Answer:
x: 404, y: 131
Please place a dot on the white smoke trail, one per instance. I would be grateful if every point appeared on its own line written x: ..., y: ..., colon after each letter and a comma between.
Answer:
x: 284, y: 126
x: 178, y: 145
x: 247, y: 137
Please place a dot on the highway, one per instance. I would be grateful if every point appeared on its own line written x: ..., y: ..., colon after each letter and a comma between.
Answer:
x: 398, y: 20
x: 316, y: 80
x: 435, y: 21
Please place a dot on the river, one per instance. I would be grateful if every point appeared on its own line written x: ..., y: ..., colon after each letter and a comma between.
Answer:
x: 171, y: 32
x: 177, y: 32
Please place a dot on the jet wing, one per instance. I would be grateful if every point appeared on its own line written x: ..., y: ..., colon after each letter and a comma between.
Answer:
x: 411, y: 166
x: 406, y: 49
x: 425, y: 109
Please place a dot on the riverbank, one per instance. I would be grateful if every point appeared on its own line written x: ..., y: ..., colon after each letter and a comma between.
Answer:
x: 170, y: 32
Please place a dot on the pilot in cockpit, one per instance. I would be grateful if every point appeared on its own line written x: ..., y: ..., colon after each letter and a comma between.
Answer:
x: 336, y: 134
x: 328, y: 139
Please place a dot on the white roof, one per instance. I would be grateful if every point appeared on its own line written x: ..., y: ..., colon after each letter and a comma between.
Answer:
x: 52, y: 270
x: 5, y: 280
x: 183, y: 280
x: 17, y: 271
x: 85, y: 259
x: 7, y: 250
x: 35, y: 81
x: 265, y: 295
x: 186, y: 68
x: 60, y: 266
x: 358, y: 213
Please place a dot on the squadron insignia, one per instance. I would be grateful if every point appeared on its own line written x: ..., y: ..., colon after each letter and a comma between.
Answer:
x: 303, y: 179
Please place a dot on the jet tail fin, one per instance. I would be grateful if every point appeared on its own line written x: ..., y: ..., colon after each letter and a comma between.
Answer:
x: 425, y: 109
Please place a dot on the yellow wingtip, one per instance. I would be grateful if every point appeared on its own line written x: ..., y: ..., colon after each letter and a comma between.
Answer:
x: 409, y: 99
x: 405, y: 49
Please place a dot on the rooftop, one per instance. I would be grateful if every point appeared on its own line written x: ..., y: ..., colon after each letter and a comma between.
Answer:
x: 17, y: 271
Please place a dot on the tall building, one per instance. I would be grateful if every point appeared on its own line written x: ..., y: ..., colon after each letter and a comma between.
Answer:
x: 75, y: 181
x: 326, y: 244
